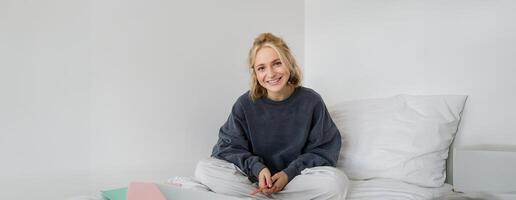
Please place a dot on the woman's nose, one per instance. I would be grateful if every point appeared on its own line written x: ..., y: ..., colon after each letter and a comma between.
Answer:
x: 271, y: 73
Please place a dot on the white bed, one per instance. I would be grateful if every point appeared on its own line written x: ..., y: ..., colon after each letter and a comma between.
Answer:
x: 393, y: 148
x: 377, y: 189
x: 384, y: 189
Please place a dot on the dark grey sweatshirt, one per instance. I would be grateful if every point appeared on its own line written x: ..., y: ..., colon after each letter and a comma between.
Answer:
x: 288, y: 135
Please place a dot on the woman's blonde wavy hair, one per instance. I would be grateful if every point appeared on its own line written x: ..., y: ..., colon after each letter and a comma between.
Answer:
x: 277, y: 44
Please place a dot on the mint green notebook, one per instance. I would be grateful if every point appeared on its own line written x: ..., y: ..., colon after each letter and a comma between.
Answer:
x: 116, y: 194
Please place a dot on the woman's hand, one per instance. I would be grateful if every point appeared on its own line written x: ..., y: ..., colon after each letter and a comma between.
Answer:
x: 268, y: 185
x: 279, y: 180
x: 264, y: 182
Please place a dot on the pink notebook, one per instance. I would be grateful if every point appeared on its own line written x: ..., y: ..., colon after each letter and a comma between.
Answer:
x: 144, y: 191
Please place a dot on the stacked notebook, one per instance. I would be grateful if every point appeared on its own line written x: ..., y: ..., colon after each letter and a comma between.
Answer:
x: 152, y: 191
x: 135, y: 191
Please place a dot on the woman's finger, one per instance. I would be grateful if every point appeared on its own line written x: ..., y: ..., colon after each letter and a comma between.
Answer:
x: 261, y: 181
x: 269, y: 181
x: 256, y: 191
x: 275, y: 178
x: 267, y: 191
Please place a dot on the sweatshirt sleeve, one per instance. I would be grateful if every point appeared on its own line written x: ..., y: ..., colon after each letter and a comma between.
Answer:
x: 233, y: 144
x: 323, y: 145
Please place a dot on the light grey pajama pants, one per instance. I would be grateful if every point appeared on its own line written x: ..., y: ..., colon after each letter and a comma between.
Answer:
x: 313, y: 183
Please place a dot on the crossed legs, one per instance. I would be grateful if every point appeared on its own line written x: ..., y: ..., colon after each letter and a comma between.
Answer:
x: 313, y: 183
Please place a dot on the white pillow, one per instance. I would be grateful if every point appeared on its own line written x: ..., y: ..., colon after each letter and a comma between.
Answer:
x: 404, y: 137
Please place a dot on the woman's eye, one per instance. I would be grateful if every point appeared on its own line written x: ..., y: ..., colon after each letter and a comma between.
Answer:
x: 278, y: 63
x: 260, y: 69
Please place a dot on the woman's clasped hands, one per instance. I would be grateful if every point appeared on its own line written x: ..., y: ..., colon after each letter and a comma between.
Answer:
x: 268, y: 184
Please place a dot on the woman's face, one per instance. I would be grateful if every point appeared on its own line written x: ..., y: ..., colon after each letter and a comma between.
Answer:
x: 271, y: 73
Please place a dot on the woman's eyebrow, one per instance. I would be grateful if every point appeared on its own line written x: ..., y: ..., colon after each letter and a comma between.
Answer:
x: 259, y: 65
x: 276, y: 60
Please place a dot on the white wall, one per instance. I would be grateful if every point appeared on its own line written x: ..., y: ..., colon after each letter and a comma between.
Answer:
x: 377, y: 48
x: 95, y: 94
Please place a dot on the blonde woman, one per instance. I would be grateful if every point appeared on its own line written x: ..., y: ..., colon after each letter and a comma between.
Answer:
x: 279, y: 141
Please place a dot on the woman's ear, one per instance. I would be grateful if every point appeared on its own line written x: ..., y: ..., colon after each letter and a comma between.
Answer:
x: 291, y: 76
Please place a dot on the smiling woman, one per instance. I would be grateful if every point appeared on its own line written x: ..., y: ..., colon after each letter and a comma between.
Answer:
x: 279, y: 140
x: 272, y: 67
x: 272, y: 74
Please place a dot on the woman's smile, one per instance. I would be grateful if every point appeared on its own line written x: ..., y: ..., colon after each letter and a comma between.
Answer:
x: 274, y: 81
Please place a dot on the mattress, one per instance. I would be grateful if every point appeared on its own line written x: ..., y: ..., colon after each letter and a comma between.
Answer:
x: 376, y: 189
x: 385, y: 189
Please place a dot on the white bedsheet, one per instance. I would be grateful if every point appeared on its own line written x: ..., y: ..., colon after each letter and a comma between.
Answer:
x: 385, y: 189
x: 377, y: 189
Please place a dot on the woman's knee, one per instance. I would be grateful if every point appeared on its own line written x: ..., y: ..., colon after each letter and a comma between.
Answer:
x: 213, y: 168
x: 205, y: 168
x: 222, y: 177
x: 334, y: 188
x: 335, y: 184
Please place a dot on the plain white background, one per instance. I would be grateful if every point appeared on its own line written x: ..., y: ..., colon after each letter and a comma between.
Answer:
x: 94, y: 94
x: 375, y: 48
